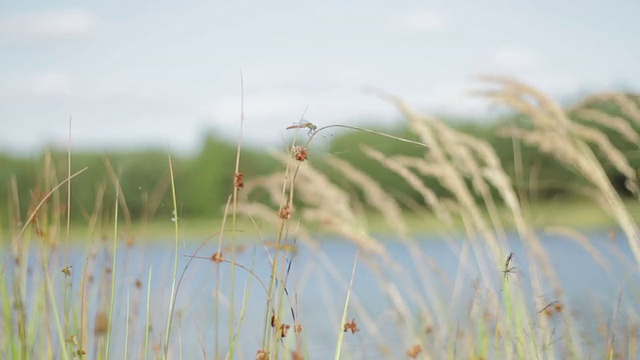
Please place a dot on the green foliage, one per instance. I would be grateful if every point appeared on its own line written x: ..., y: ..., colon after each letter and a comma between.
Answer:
x: 205, y: 180
x: 538, y: 176
x: 208, y: 179
x: 347, y: 146
x: 541, y: 176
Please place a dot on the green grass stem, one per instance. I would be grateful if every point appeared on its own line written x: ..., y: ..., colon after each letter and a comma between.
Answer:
x: 176, y: 220
x: 343, y: 320
x: 113, y: 270
x: 147, y: 323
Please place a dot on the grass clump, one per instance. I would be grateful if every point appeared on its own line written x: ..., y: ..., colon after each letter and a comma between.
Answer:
x: 503, y: 299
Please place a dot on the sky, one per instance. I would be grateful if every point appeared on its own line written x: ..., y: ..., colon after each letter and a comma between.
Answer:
x: 126, y: 74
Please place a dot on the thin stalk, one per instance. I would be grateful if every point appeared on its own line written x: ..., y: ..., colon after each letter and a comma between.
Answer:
x: 216, y: 315
x: 146, y: 324
x: 248, y: 270
x: 346, y: 308
x: 66, y: 301
x: 113, y: 270
x: 245, y: 301
x: 366, y: 131
x: 7, y: 316
x: 33, y: 215
x: 272, y: 282
x: 180, y: 340
x: 66, y: 245
x: 126, y: 329
x: 83, y: 306
x: 176, y: 219
x: 68, y: 184
x: 234, y: 215
x: 53, y: 305
x: 614, y: 327
x: 513, y: 320
x: 216, y: 304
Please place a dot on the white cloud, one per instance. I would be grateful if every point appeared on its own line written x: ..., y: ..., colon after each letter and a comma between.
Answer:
x: 423, y: 21
x: 267, y: 114
x: 46, y: 25
x: 516, y: 59
x: 262, y: 105
x: 41, y: 84
x: 50, y: 84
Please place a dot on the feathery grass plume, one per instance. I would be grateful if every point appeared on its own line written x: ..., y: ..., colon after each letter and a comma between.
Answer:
x: 386, y: 205
x: 455, y: 158
x: 554, y: 132
x: 452, y: 161
x: 323, y: 202
x: 320, y: 202
x: 303, y: 235
x: 428, y: 195
x: 616, y: 123
x: 627, y: 103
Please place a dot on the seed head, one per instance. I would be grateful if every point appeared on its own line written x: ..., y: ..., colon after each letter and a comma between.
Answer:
x: 101, y: 325
x: 284, y: 212
x: 351, y: 326
x: 284, y: 328
x: 217, y: 257
x: 414, y: 351
x: 238, y: 180
x: 300, y: 153
x: 66, y: 271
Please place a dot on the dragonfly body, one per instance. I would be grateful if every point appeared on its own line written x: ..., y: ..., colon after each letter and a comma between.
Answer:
x: 304, y: 124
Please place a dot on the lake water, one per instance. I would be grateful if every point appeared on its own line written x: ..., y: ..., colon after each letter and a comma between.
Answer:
x: 405, y: 282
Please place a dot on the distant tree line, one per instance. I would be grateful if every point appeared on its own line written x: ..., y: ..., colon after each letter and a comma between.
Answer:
x: 204, y: 181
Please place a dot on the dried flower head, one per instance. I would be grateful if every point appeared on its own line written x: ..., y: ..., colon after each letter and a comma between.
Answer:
x: 558, y: 307
x: 548, y: 312
x: 79, y: 353
x: 284, y: 329
x: 262, y: 355
x: 72, y: 340
x: 284, y: 212
x: 66, y: 271
x: 552, y: 308
x: 101, y: 325
x: 217, y: 257
x: 414, y: 351
x: 300, y: 153
x: 238, y: 180
x: 351, y: 326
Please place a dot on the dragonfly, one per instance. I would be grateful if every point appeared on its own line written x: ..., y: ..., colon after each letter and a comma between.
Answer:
x: 304, y: 124
x: 508, y: 270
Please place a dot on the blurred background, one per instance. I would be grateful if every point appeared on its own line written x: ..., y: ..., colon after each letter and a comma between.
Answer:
x: 145, y: 95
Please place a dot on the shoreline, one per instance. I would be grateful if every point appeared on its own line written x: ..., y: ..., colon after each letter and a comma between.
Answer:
x: 578, y: 215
